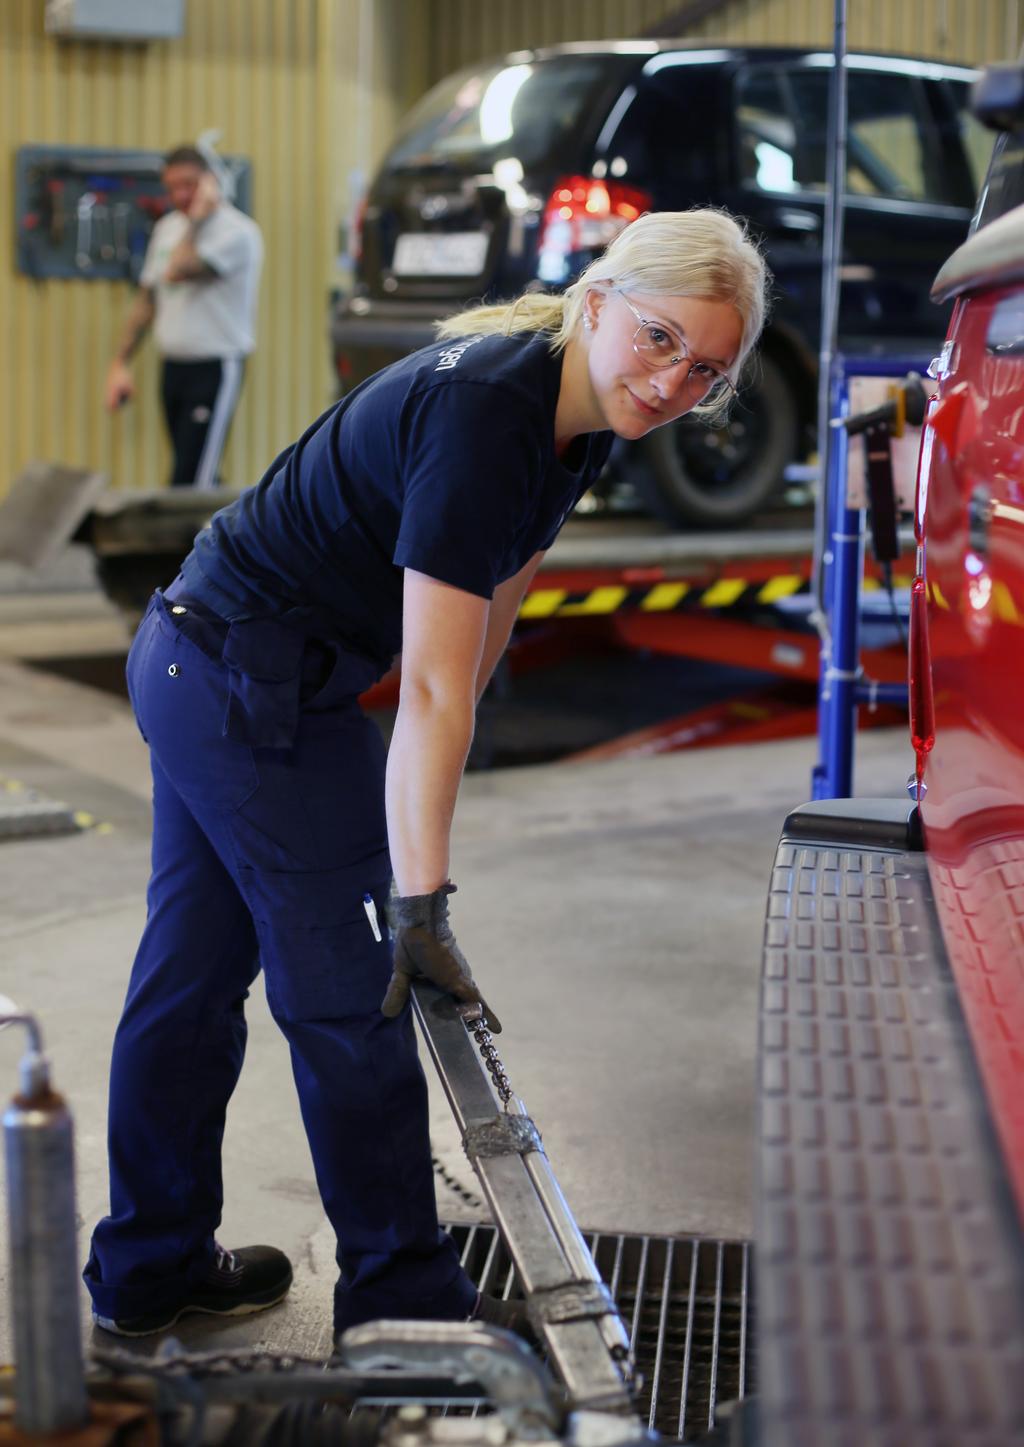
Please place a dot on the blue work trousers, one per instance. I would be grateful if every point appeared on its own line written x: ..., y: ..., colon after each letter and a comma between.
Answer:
x: 262, y: 857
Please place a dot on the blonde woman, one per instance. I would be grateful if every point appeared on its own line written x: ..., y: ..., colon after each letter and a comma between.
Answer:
x: 409, y: 518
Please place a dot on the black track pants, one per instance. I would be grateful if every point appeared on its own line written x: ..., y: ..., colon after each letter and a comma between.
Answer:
x: 199, y: 401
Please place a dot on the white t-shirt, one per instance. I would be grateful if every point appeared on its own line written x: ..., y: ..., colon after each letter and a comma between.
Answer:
x: 211, y: 316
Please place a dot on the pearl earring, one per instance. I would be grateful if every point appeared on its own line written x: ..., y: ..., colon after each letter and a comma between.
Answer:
x: 587, y: 323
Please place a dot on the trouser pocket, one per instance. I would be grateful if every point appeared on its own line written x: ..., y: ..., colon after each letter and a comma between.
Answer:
x: 321, y: 956
x: 181, y: 701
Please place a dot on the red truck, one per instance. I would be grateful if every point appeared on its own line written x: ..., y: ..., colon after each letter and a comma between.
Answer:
x: 890, y: 1253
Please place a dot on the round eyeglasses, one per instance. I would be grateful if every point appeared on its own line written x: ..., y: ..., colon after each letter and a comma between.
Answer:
x: 657, y: 346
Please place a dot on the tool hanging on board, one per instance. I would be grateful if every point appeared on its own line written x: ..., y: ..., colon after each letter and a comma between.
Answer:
x: 83, y: 247
x: 906, y: 404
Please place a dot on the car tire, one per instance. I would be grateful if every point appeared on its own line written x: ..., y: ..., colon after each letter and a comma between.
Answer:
x: 695, y: 476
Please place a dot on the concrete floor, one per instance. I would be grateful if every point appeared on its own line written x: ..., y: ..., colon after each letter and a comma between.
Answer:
x: 612, y: 912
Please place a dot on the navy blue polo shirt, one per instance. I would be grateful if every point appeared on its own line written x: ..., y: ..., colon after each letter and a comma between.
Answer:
x: 444, y: 462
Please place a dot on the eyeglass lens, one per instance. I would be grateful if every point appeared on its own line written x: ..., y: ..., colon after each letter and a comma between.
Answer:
x: 660, y: 348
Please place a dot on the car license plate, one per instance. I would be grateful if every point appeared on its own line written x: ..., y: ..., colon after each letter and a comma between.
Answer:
x: 453, y: 253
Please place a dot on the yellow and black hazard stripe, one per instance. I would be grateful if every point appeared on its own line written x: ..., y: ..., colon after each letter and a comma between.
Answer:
x: 671, y: 597
x: 900, y: 581
x: 667, y: 597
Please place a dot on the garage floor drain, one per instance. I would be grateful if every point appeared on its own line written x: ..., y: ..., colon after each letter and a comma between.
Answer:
x: 687, y: 1304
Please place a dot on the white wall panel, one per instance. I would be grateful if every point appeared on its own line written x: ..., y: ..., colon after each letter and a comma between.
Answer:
x: 311, y: 91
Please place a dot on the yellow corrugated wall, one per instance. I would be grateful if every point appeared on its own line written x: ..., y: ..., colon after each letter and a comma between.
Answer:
x: 463, y: 31
x: 310, y: 91
x: 281, y: 80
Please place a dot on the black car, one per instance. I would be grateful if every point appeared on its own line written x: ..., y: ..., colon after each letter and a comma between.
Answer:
x: 514, y: 174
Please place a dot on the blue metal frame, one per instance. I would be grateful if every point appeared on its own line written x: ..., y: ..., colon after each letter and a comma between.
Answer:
x: 840, y: 687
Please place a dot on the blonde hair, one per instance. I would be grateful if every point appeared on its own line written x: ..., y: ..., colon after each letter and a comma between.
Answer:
x: 701, y: 253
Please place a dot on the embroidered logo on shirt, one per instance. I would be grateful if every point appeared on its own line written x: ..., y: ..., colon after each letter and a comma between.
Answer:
x: 451, y: 356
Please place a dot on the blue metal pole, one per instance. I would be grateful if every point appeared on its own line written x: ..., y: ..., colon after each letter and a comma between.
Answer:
x: 872, y: 693
x: 839, y: 687
x: 832, y: 778
x: 829, y: 364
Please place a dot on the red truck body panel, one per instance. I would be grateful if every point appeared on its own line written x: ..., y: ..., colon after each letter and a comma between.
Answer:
x: 972, y: 506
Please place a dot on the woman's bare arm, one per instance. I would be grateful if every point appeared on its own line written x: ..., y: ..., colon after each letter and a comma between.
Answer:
x: 444, y: 632
x: 504, y: 610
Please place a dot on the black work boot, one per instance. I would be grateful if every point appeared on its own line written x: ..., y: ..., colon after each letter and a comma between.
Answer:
x: 237, y: 1283
x: 512, y: 1315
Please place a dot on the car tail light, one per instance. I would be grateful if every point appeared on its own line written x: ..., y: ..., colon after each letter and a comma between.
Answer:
x: 585, y: 213
x: 922, y: 706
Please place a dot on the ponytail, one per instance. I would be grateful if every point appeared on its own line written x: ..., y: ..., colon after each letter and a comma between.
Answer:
x: 534, y: 311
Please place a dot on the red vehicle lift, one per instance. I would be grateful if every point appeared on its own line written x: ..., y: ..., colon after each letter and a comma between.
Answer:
x: 715, y: 597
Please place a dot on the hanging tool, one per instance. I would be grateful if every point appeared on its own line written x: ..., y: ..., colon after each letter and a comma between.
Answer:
x: 119, y: 225
x: 906, y: 403
x: 83, y: 247
x: 50, y: 1380
x: 103, y: 232
x: 58, y: 216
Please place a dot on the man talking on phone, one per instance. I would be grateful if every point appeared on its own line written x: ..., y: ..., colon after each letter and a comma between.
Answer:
x: 198, y: 289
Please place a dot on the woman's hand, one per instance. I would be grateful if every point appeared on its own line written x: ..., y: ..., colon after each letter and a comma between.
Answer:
x: 424, y: 945
x: 444, y: 629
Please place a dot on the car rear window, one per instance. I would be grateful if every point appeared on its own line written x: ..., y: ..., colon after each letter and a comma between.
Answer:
x: 484, y: 113
x: 975, y: 138
x: 1004, y: 187
x: 894, y: 151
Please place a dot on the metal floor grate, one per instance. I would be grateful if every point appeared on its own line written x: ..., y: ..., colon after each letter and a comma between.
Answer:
x: 688, y: 1306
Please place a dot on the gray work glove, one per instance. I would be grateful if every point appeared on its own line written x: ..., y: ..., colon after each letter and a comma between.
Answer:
x: 424, y: 945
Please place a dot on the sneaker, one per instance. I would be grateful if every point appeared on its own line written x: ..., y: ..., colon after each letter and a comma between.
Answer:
x: 238, y: 1283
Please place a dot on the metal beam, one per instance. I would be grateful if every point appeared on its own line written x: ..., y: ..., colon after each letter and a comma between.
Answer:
x: 569, y: 1306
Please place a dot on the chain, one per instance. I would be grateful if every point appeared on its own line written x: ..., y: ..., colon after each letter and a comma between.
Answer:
x: 173, y: 1360
x: 478, y: 1029
x: 454, y: 1184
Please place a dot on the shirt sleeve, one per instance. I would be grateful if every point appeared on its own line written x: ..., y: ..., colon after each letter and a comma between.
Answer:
x: 151, y: 271
x: 226, y: 248
x: 471, y: 465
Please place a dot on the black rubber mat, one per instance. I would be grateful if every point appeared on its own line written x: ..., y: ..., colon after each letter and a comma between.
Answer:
x: 891, y: 1268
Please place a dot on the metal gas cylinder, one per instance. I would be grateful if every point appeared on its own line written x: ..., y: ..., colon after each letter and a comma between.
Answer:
x: 44, y: 1296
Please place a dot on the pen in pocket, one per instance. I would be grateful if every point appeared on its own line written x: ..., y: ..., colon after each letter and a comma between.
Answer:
x: 371, y: 915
